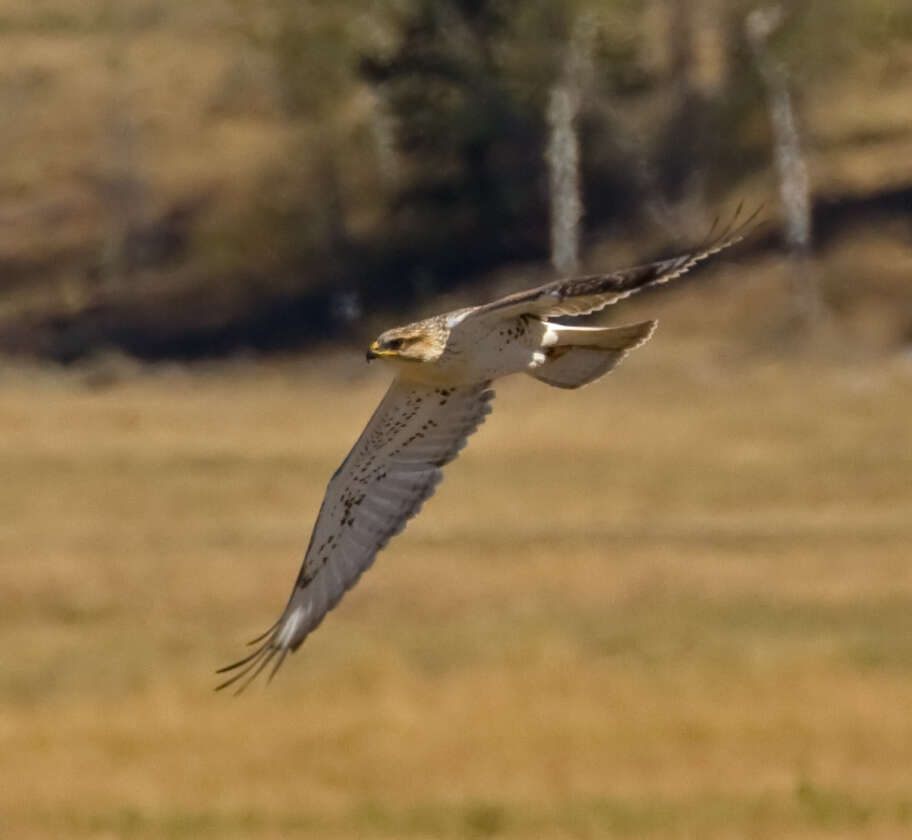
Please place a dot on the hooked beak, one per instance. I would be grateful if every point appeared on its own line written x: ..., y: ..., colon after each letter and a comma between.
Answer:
x: 375, y: 351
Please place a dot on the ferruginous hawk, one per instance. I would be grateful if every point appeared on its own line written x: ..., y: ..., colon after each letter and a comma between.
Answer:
x: 440, y: 395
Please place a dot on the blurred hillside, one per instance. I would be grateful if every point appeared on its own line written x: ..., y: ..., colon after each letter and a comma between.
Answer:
x: 190, y: 180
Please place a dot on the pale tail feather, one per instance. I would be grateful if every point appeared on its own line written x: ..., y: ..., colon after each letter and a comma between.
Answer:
x: 585, y: 354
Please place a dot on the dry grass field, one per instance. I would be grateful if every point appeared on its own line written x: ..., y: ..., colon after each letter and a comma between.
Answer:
x: 677, y: 604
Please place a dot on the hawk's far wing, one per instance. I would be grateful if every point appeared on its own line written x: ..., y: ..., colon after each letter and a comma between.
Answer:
x: 392, y: 469
x: 582, y: 295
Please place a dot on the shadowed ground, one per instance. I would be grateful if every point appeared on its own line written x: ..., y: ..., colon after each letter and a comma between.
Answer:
x: 674, y: 604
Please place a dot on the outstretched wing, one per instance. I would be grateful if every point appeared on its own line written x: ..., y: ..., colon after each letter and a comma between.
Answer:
x: 392, y: 469
x: 582, y: 295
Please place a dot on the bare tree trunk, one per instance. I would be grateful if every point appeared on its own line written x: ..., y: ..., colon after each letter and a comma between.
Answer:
x: 119, y: 182
x: 710, y: 44
x: 563, y: 172
x: 654, y: 41
x: 685, y: 147
x: 562, y: 154
x: 383, y: 133
x: 794, y: 183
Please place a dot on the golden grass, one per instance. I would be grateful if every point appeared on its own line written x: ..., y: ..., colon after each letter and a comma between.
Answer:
x: 675, y: 604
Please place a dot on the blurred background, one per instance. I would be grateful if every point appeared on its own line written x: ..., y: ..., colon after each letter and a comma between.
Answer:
x: 674, y: 604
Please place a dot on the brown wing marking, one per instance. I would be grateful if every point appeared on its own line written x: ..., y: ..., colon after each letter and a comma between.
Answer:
x: 392, y: 469
x: 582, y: 295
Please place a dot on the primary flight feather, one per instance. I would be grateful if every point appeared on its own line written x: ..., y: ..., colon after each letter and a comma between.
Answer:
x: 444, y: 366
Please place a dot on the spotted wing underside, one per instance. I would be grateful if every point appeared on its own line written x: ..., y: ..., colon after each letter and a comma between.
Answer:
x: 392, y: 469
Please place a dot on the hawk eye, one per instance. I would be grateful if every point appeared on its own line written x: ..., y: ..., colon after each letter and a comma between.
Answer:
x: 394, y: 343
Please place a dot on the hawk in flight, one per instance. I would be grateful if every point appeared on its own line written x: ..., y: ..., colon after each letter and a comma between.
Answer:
x: 440, y: 395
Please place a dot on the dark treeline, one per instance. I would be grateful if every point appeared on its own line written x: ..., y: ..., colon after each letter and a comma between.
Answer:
x: 454, y: 165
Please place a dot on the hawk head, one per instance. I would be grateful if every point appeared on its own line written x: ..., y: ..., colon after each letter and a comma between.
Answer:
x: 412, y: 343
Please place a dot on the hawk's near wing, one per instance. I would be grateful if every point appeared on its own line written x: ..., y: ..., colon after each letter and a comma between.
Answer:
x: 392, y: 469
x: 581, y: 295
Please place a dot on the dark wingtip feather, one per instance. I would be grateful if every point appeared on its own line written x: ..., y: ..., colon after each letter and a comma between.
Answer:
x: 265, y: 633
x: 732, y: 233
x: 652, y: 274
x: 277, y: 665
x: 240, y: 663
x: 251, y: 665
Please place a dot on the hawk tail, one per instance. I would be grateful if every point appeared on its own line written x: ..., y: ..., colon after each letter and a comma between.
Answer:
x: 584, y: 354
